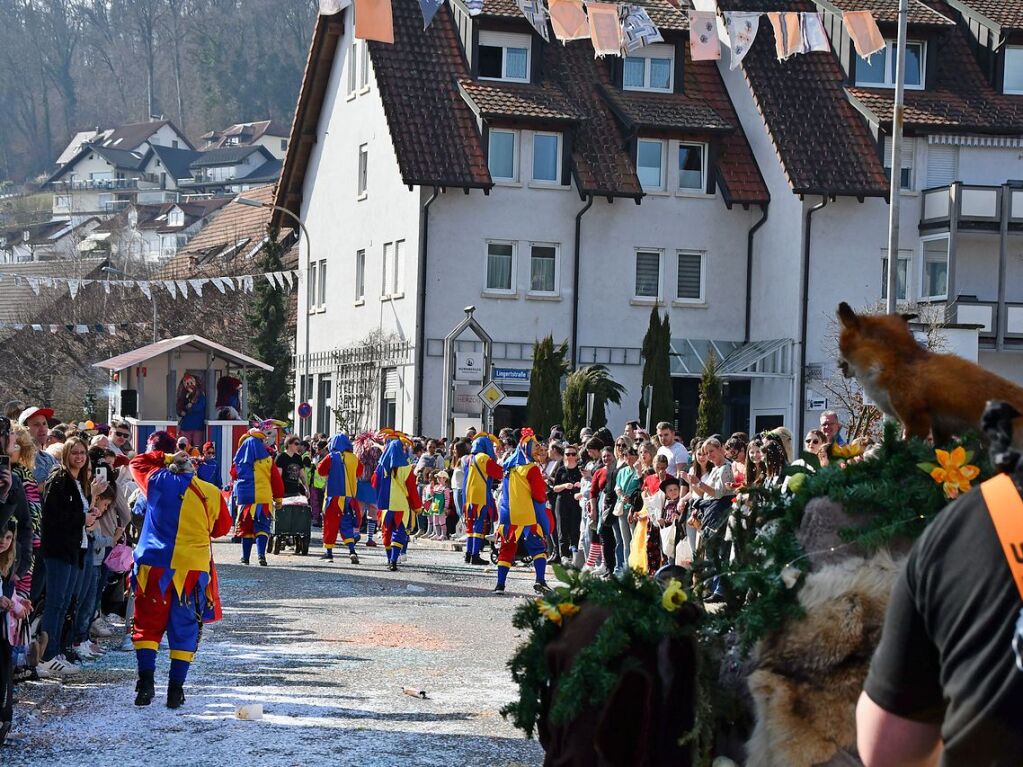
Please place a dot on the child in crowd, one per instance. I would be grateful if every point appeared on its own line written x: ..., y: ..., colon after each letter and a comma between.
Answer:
x: 92, y: 570
x: 671, y: 516
x: 13, y: 610
x: 439, y: 500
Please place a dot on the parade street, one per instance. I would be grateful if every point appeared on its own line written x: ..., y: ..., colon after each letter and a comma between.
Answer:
x: 327, y: 650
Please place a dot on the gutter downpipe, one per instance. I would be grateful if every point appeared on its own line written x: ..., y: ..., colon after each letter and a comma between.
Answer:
x: 749, y: 266
x: 575, y: 280
x: 424, y: 252
x: 804, y: 317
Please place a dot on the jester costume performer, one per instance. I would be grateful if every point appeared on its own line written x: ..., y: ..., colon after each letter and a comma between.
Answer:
x: 174, y: 580
x: 522, y: 513
x: 481, y: 470
x: 258, y: 488
x: 342, y: 470
x: 397, y: 499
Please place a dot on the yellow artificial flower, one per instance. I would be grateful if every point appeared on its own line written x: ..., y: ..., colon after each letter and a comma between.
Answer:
x: 952, y: 472
x: 674, y: 596
x: 567, y: 609
x: 850, y: 450
x: 550, y: 612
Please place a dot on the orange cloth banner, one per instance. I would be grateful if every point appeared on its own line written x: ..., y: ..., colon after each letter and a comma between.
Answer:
x: 373, y: 20
x: 864, y: 32
x: 569, y: 20
x: 605, y: 29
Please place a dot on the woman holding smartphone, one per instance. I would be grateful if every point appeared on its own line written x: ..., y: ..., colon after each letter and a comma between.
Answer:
x: 66, y: 514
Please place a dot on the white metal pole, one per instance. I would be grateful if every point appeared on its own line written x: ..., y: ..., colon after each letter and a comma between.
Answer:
x: 896, y: 160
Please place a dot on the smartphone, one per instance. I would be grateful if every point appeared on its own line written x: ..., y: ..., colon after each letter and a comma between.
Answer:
x: 5, y: 460
x: 101, y: 473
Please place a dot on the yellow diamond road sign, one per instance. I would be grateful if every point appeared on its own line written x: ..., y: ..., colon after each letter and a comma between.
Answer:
x: 491, y: 395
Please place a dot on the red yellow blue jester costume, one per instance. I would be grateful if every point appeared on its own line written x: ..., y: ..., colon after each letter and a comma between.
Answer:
x: 397, y: 498
x: 174, y: 579
x: 340, y: 514
x: 522, y: 511
x: 258, y: 487
x: 481, y: 471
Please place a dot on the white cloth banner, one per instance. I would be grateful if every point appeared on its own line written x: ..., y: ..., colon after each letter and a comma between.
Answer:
x: 742, y: 27
x: 72, y: 286
x: 144, y: 287
x: 217, y: 283
x: 247, y: 284
x: 171, y: 287
x: 196, y: 286
x: 81, y: 328
x: 33, y: 282
x: 183, y: 287
x: 106, y: 287
x: 330, y: 7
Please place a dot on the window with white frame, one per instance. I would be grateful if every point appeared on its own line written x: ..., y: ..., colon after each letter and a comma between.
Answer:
x: 935, y: 263
x: 689, y: 287
x: 363, y: 65
x: 901, y: 275
x: 547, y: 158
x: 503, y: 154
x: 648, y: 274
x: 543, y: 269
x: 360, y: 275
x: 363, y: 169
x: 353, y: 67
x: 1012, y: 73
x: 398, y: 272
x: 311, y: 293
x: 321, y: 293
x: 692, y: 164
x: 880, y: 70
x: 503, y: 56
x: 388, y: 270
x: 908, y: 155
x: 651, y: 68
x: 650, y: 163
x: 500, y: 267
x: 176, y: 217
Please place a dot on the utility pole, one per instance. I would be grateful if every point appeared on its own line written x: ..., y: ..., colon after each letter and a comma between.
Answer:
x: 896, y: 180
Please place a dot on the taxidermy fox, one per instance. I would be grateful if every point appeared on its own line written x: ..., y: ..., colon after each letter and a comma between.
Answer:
x: 942, y: 394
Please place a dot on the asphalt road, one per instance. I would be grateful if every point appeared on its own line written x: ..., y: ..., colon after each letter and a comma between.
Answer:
x: 327, y: 650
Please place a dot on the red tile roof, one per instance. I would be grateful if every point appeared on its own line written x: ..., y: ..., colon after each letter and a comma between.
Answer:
x: 433, y: 130
x: 662, y: 13
x: 957, y: 95
x: 823, y: 143
x: 1007, y: 14
x: 887, y: 11
x: 664, y: 111
x: 519, y: 101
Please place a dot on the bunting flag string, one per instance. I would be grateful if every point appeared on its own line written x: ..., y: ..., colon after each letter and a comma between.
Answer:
x: 78, y: 329
x: 184, y: 288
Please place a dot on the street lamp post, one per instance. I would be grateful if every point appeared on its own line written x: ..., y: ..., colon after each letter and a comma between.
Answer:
x: 894, y: 209
x: 112, y: 270
x: 308, y: 286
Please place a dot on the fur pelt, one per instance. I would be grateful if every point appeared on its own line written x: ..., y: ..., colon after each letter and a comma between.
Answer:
x: 809, y: 675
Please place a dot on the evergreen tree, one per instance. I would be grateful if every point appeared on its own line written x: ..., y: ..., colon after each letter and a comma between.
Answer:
x: 656, y: 352
x: 543, y: 407
x: 592, y: 379
x: 270, y: 392
x: 710, y: 415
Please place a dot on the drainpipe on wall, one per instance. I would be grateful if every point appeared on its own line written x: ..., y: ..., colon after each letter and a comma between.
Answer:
x: 575, y: 280
x: 424, y: 252
x: 803, y: 320
x: 749, y: 266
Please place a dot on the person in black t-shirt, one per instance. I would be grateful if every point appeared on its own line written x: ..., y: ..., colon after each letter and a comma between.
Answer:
x: 943, y: 684
x: 292, y: 466
x: 567, y: 483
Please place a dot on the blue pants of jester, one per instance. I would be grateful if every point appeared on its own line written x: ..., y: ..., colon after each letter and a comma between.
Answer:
x: 392, y: 523
x: 535, y: 546
x: 159, y: 610
x: 475, y: 527
x: 255, y: 523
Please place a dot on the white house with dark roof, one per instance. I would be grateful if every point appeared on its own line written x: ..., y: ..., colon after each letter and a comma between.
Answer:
x: 269, y: 134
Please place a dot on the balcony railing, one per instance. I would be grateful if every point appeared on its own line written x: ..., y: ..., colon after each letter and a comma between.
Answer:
x: 970, y: 206
x: 969, y: 310
x: 145, y: 181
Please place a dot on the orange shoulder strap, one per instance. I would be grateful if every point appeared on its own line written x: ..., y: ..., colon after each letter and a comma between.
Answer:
x: 1006, y: 509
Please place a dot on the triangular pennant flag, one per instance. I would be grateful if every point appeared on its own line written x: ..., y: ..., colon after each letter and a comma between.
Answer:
x: 106, y: 286
x: 183, y: 287
x: 247, y: 283
x: 112, y: 330
x: 862, y: 28
x: 568, y: 19
x: 37, y: 327
x: 19, y: 326
x: 373, y: 20
x: 33, y: 282
x: 605, y: 29
x: 475, y: 7
x: 272, y: 279
x: 742, y: 29
x: 288, y: 277
x: 171, y: 288
x: 17, y: 279
x: 81, y: 328
x: 703, y: 36
x: 72, y: 286
x: 228, y: 282
x: 429, y: 9
x: 144, y: 287
x: 196, y: 286
x: 637, y: 28
x: 218, y: 283
x: 68, y: 328
x: 536, y: 15
x: 54, y: 328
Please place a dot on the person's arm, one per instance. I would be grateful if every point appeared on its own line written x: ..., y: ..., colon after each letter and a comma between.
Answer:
x: 145, y: 464
x: 323, y: 468
x: 276, y: 482
x: 415, y: 503
x: 494, y: 470
x: 884, y: 739
x: 221, y: 517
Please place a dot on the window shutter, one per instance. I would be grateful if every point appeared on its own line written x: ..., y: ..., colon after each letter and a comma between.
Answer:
x: 391, y: 383
x: 689, y: 277
x: 942, y: 162
x: 648, y: 273
x: 908, y: 153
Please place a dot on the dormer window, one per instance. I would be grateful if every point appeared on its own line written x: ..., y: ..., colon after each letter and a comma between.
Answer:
x: 651, y: 68
x: 176, y: 217
x: 880, y: 70
x: 1012, y: 79
x: 504, y: 56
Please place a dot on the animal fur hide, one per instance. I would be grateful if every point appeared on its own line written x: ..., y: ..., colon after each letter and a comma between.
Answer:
x: 808, y: 676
